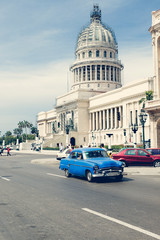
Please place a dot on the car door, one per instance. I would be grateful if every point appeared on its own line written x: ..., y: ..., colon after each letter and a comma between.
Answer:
x: 77, y: 166
x: 72, y: 163
x: 143, y: 157
x: 130, y: 156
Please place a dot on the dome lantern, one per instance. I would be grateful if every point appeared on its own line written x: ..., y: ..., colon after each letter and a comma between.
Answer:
x: 95, y: 14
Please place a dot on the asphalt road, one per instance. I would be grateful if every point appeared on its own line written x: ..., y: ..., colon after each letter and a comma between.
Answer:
x: 37, y: 202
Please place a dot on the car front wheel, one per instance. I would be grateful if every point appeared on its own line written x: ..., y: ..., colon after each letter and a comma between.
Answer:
x: 67, y: 174
x: 89, y: 176
x: 119, y: 178
x: 156, y: 163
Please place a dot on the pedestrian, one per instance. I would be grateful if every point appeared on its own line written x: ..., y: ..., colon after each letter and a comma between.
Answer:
x: 1, y: 151
x: 8, y: 152
x: 61, y: 147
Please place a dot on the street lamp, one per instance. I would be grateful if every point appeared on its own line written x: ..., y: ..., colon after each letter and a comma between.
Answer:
x: 93, y: 138
x: 143, y: 118
x: 135, y: 129
x: 125, y: 139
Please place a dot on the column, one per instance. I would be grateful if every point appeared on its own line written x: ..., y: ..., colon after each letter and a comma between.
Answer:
x: 107, y: 118
x: 116, y: 118
x: 97, y: 120
x: 111, y: 118
x: 100, y: 120
x: 104, y: 122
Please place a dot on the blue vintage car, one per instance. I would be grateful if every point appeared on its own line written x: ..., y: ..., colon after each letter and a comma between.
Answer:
x: 91, y: 163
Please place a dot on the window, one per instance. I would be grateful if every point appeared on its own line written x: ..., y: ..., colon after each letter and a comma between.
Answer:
x: 98, y: 72
x: 93, y: 72
x: 103, y: 72
x: 141, y: 153
x: 130, y: 152
x: 88, y: 73
x: 105, y: 54
x: 111, y: 73
x: 83, y: 54
x: 79, y: 156
x: 84, y: 73
x: 79, y: 74
x: 110, y: 54
x: 97, y: 53
x: 73, y: 155
x: 107, y: 72
x: 90, y: 54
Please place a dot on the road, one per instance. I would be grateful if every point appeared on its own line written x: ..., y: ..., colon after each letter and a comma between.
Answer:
x: 37, y: 202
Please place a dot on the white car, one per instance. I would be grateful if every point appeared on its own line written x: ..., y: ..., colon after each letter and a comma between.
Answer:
x: 63, y: 154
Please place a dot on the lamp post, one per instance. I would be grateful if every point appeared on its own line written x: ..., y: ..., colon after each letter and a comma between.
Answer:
x: 67, y: 135
x: 143, y: 118
x: 109, y: 136
x: 93, y: 138
x: 125, y: 139
x: 135, y: 129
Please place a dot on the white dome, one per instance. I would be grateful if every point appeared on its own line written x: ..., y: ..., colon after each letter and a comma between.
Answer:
x: 96, y: 33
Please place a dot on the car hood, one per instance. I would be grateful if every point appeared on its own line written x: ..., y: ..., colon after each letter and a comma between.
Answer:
x: 106, y: 162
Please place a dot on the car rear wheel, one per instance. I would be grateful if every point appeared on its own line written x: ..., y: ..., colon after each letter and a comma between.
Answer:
x: 89, y: 176
x: 156, y: 163
x: 67, y: 174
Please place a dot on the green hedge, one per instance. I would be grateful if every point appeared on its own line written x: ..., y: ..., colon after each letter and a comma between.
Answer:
x: 51, y: 148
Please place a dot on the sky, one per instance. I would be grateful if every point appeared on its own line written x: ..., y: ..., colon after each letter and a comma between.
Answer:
x: 37, y: 48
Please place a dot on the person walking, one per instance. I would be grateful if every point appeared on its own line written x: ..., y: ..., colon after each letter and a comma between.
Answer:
x: 8, y: 152
x: 1, y: 151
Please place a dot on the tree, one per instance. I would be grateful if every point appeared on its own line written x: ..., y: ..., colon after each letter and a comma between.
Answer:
x: 8, y: 133
x: 17, y: 131
x: 148, y: 97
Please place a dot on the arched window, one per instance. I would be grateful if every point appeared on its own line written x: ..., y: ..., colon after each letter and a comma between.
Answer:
x: 90, y: 54
x: 97, y: 53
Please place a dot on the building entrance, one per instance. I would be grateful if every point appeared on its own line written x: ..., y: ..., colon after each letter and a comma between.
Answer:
x: 73, y: 141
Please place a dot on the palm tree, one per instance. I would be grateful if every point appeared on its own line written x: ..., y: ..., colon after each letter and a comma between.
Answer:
x: 148, y: 97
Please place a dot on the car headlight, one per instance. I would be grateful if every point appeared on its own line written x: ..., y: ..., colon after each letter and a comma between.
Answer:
x: 96, y: 167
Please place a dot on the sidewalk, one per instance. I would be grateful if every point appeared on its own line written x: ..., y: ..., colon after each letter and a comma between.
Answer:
x: 45, y: 152
x: 145, y: 171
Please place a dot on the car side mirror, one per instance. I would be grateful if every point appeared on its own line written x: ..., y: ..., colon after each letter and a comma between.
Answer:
x: 147, y: 155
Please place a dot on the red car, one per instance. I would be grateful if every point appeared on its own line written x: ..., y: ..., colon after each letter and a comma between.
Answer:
x: 137, y: 156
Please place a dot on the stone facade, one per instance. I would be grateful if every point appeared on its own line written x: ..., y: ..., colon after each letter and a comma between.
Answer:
x: 153, y: 107
x: 97, y: 103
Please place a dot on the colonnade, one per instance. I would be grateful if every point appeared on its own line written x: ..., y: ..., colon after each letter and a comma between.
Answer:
x: 106, y: 119
x: 97, y: 72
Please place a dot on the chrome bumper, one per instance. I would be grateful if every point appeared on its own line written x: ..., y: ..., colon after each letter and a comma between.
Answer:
x: 108, y: 174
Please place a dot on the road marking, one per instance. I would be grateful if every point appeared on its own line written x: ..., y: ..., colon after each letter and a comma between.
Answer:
x: 156, y: 236
x: 4, y: 178
x: 55, y: 175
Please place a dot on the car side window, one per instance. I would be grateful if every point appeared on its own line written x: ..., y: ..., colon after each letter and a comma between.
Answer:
x: 141, y: 153
x: 73, y: 155
x: 68, y: 151
x: 130, y: 152
x: 79, y: 156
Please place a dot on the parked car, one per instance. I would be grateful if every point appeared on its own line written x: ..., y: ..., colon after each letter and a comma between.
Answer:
x: 91, y: 163
x: 65, y: 153
x: 153, y: 151
x: 137, y: 156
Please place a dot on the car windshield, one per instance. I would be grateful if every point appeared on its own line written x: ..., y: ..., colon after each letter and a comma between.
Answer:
x: 95, y: 154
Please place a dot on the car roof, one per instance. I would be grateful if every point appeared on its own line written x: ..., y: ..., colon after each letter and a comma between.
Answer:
x: 87, y: 149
